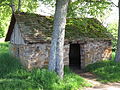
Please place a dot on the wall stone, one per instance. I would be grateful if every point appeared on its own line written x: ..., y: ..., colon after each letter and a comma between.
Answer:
x: 35, y: 55
x: 14, y: 50
x: 96, y: 51
x: 82, y: 53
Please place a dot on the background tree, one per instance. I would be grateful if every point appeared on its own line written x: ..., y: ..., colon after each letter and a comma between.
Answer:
x: 117, y: 57
x: 84, y: 8
x: 113, y: 28
x: 6, y: 12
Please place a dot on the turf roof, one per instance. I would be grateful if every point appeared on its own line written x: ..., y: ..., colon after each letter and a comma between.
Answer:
x: 36, y: 27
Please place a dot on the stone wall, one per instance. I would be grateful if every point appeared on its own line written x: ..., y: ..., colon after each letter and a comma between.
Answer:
x: 14, y: 49
x: 35, y: 55
x: 96, y: 51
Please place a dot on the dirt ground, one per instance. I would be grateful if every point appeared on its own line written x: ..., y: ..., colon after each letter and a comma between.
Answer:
x: 96, y: 84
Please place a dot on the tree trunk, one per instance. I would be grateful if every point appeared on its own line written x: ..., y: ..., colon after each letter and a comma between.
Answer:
x: 117, y: 57
x: 56, y: 52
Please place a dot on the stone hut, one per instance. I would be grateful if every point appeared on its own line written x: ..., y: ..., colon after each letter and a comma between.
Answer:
x: 86, y: 40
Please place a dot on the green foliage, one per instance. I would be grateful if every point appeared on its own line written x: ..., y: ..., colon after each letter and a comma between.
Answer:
x: 106, y: 71
x: 82, y: 8
x: 113, y: 29
x: 1, y: 32
x: 14, y: 77
x: 3, y: 48
x: 5, y: 12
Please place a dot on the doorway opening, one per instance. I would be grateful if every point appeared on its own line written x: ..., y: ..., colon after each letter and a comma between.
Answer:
x: 74, y: 56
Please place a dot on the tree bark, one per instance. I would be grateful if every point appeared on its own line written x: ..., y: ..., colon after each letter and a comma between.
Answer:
x: 117, y: 56
x: 57, y: 44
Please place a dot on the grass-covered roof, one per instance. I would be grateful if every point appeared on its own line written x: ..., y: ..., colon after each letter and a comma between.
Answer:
x: 85, y: 27
x: 35, y: 28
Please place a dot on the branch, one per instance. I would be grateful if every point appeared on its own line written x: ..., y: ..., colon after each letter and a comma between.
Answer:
x: 93, y: 1
x: 19, y: 5
x: 12, y: 6
x: 114, y: 4
x: 100, y: 1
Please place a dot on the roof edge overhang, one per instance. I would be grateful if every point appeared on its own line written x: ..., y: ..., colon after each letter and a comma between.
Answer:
x: 11, y: 27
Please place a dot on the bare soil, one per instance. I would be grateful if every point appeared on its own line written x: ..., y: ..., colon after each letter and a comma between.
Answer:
x: 90, y: 77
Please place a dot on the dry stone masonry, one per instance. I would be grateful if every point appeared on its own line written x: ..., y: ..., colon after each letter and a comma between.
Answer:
x: 37, y: 55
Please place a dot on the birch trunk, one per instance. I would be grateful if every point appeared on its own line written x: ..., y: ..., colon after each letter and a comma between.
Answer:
x: 57, y: 44
x: 117, y: 57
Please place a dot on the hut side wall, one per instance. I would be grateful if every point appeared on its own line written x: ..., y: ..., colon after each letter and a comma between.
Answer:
x: 16, y: 37
x: 36, y: 55
x: 14, y: 49
x: 96, y: 51
x: 82, y: 53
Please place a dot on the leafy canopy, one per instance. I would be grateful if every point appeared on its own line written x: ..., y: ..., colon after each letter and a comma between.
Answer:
x: 83, y: 8
x: 5, y: 11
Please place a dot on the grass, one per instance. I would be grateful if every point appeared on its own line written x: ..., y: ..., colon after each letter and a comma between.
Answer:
x: 3, y: 48
x: 106, y: 71
x: 15, y: 77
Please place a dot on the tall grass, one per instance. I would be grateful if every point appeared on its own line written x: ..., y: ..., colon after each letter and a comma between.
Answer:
x: 15, y: 77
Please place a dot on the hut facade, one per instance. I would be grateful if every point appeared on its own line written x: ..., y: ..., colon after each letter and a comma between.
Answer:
x: 86, y: 40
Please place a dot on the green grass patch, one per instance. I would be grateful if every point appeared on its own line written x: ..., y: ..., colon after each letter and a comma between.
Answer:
x: 15, y: 77
x: 106, y: 71
x: 3, y: 48
x: 113, y: 55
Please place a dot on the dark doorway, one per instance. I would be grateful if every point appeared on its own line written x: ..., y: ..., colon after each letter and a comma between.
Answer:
x: 74, y: 56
